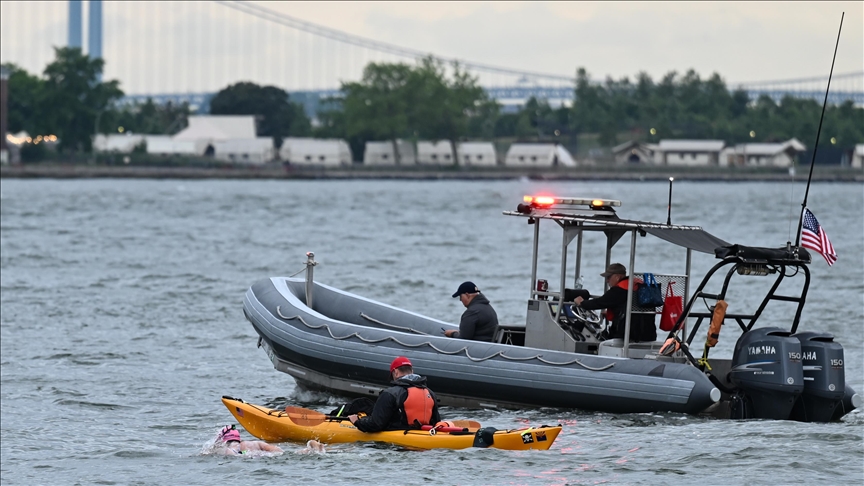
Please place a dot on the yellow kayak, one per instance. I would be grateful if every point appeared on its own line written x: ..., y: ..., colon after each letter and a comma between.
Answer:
x: 280, y: 426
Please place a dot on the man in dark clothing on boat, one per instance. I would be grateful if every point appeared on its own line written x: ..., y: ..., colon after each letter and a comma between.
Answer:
x: 408, y: 404
x: 615, y: 302
x: 479, y: 321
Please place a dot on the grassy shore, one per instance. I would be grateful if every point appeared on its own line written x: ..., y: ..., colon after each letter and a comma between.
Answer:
x: 277, y: 171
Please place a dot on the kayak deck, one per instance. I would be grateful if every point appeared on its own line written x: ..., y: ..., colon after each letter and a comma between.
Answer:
x: 276, y: 426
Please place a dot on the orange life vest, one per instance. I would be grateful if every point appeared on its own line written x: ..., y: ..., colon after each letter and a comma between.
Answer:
x: 610, y: 314
x: 418, y: 406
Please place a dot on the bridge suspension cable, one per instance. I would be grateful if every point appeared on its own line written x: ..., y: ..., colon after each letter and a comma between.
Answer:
x: 295, y: 23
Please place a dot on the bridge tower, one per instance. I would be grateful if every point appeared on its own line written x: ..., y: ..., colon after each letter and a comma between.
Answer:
x: 75, y: 21
x: 94, y: 30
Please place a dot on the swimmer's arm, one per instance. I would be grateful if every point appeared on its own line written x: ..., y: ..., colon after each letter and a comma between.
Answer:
x: 269, y: 447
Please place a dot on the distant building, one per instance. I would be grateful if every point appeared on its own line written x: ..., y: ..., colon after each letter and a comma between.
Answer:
x: 4, y: 81
x: 218, y: 127
x: 476, y: 154
x: 858, y: 156
x: 689, y: 152
x: 439, y: 152
x: 259, y: 150
x: 167, y: 145
x: 315, y: 151
x: 122, y: 143
x: 762, y: 154
x: 381, y: 153
x: 634, y: 153
x: 203, y: 132
x: 538, y: 155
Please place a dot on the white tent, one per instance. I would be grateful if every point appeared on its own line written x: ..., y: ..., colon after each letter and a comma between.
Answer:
x: 203, y: 132
x: 166, y: 145
x: 476, y: 153
x: 218, y: 127
x: 319, y: 151
x: 564, y: 157
x: 439, y: 152
x: 258, y: 150
x: 381, y: 153
x: 123, y: 143
x: 858, y: 156
x: 538, y: 155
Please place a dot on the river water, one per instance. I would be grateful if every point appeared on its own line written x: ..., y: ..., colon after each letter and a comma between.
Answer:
x: 122, y: 326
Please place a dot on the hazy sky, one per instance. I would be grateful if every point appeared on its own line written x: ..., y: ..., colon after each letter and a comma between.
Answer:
x: 744, y: 41
x: 158, y: 47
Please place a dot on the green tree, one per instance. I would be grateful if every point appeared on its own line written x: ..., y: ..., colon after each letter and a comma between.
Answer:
x: 148, y: 118
x: 279, y: 118
x: 394, y: 101
x: 25, y: 101
x: 376, y: 107
x: 74, y: 98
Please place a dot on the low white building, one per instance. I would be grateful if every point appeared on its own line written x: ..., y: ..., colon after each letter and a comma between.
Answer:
x: 438, y: 152
x: 315, y: 151
x: 167, y: 145
x: 858, y: 156
x: 199, y: 138
x: 689, y: 152
x: 218, y: 127
x: 123, y: 143
x: 259, y: 150
x: 634, y: 153
x: 762, y: 154
x: 476, y: 154
x: 538, y: 155
x: 381, y: 153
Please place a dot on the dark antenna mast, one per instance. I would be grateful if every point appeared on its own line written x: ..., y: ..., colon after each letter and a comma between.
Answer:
x: 818, y: 132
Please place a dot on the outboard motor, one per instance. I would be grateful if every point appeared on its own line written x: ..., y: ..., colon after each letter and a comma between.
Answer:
x: 824, y: 377
x: 767, y: 367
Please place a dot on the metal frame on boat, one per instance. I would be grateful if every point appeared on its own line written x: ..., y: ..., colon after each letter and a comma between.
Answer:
x: 340, y: 342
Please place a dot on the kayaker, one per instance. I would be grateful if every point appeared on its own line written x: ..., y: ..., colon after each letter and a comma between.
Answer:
x: 479, y: 321
x: 615, y: 302
x: 235, y: 447
x: 405, y: 405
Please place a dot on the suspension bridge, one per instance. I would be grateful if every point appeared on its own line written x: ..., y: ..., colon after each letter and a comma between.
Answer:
x: 219, y: 43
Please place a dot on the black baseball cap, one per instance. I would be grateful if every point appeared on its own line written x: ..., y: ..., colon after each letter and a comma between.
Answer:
x: 466, y: 288
x: 614, y: 269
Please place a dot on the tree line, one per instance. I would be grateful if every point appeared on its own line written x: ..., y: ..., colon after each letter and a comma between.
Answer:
x: 426, y: 101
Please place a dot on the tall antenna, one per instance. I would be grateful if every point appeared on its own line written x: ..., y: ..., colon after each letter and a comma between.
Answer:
x: 818, y: 132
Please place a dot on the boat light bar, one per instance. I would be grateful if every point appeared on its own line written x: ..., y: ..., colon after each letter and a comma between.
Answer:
x: 545, y: 201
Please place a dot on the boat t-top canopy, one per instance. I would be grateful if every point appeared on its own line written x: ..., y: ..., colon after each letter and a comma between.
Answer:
x: 577, y: 216
x: 599, y: 215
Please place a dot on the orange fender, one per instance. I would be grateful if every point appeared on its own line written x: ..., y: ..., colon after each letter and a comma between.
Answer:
x: 716, y: 322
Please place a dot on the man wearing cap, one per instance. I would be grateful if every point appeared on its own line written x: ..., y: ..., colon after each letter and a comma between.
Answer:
x: 479, y: 321
x: 615, y: 302
x: 405, y: 405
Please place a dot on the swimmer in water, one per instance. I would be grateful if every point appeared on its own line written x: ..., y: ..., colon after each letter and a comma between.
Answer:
x: 235, y: 447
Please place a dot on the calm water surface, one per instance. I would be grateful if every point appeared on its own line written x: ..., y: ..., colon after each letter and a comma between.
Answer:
x: 122, y: 326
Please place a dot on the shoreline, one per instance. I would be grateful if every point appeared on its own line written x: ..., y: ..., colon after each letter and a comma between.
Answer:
x: 87, y: 171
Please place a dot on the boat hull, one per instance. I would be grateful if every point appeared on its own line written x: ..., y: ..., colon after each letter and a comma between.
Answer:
x: 276, y: 426
x: 345, y: 343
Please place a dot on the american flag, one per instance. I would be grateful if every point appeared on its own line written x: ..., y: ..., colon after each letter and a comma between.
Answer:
x: 813, y: 236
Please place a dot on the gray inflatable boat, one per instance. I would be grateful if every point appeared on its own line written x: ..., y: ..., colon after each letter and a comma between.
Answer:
x: 332, y: 340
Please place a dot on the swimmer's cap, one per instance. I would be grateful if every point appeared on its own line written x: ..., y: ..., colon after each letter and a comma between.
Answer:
x: 229, y: 433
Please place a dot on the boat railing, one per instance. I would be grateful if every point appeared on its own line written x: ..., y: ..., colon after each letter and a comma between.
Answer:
x: 679, y: 288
